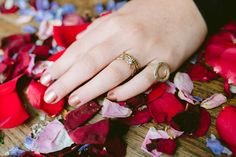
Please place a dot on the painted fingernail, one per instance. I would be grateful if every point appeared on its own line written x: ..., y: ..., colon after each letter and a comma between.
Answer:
x: 74, y: 100
x: 46, y: 79
x: 50, y: 97
x: 111, y: 95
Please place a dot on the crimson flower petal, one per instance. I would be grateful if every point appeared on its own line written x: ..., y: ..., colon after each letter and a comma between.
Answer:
x: 93, y: 133
x: 199, y: 72
x: 81, y: 115
x: 12, y: 111
x: 165, y: 107
x: 56, y: 56
x: 167, y: 146
x: 226, y: 125
x: 138, y: 118
x: 157, y: 91
x: 11, y: 10
x: 66, y: 39
x: 35, y: 92
x: 204, y: 123
x: 187, y: 121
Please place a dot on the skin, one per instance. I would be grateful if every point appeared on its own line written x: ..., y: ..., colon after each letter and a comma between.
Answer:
x: 151, y: 31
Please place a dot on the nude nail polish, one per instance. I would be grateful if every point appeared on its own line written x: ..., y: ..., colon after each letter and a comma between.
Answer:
x: 74, y: 100
x: 50, y: 97
x: 111, y: 96
x: 46, y: 79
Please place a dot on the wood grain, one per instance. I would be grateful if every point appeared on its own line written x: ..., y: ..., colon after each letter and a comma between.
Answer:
x: 188, y: 147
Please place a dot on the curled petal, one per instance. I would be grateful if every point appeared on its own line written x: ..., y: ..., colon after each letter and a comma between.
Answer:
x: 214, y: 101
x: 12, y: 111
x: 114, y: 110
x: 35, y: 92
x: 81, y: 115
x: 93, y: 133
x: 52, y: 138
x: 183, y: 82
x: 157, y: 91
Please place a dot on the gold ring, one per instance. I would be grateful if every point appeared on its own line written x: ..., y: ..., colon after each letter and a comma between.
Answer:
x: 131, y: 61
x: 165, y: 68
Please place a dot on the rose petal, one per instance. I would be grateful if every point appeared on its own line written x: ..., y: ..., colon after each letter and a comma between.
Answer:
x: 40, y: 67
x: 183, y: 82
x: 14, y: 114
x: 114, y: 110
x: 167, y: 146
x: 52, y: 138
x: 93, y: 133
x: 66, y: 39
x: 188, y: 121
x: 138, y: 118
x: 171, y: 88
x: 153, y: 134
x: 10, y: 10
x: 35, y: 92
x: 72, y: 20
x: 165, y: 107
x: 214, y: 101
x: 226, y: 125
x: 204, y: 123
x: 199, y: 72
x: 157, y: 91
x: 173, y: 133
x: 81, y: 115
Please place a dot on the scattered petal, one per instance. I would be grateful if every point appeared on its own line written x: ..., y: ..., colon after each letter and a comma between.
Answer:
x: 165, y: 108
x: 81, y: 115
x: 183, y: 82
x: 153, y: 134
x: 214, y: 101
x: 52, y: 138
x: 93, y: 133
x: 114, y: 110
x: 216, y: 147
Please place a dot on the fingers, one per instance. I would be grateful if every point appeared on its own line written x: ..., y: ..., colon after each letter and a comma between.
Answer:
x: 114, y: 74
x: 139, y: 84
x: 85, y: 68
x: 72, y: 54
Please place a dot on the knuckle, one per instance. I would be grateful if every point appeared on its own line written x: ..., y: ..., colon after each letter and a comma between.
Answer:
x: 116, y: 72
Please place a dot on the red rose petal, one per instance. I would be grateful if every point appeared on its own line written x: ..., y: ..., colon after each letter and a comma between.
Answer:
x: 12, y: 10
x: 56, y: 56
x: 136, y: 101
x: 138, y: 118
x: 35, y: 92
x: 41, y: 52
x: 167, y: 146
x: 227, y: 89
x: 116, y: 147
x: 226, y: 125
x: 204, y: 124
x: 199, y: 72
x: 81, y: 115
x: 3, y: 67
x: 157, y: 91
x: 221, y: 55
x: 165, y: 107
x: 12, y: 111
x: 93, y: 133
x: 66, y: 39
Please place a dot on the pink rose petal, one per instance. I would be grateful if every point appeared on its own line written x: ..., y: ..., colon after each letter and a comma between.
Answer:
x: 183, y: 82
x: 114, y: 110
x: 214, y: 101
x: 154, y: 134
x: 173, y: 133
x: 52, y: 138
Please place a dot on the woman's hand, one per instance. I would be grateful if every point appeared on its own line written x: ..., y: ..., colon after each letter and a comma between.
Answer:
x: 151, y: 31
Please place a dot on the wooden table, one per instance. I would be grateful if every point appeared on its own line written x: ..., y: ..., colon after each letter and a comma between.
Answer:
x: 188, y: 147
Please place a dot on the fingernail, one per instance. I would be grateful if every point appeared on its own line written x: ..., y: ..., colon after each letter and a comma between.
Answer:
x: 50, y: 97
x: 46, y: 79
x: 111, y: 96
x: 74, y: 100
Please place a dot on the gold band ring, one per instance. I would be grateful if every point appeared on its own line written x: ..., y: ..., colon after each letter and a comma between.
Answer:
x: 162, y: 67
x: 131, y: 61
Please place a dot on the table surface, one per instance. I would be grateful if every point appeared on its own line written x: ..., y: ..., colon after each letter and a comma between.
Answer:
x: 188, y: 147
